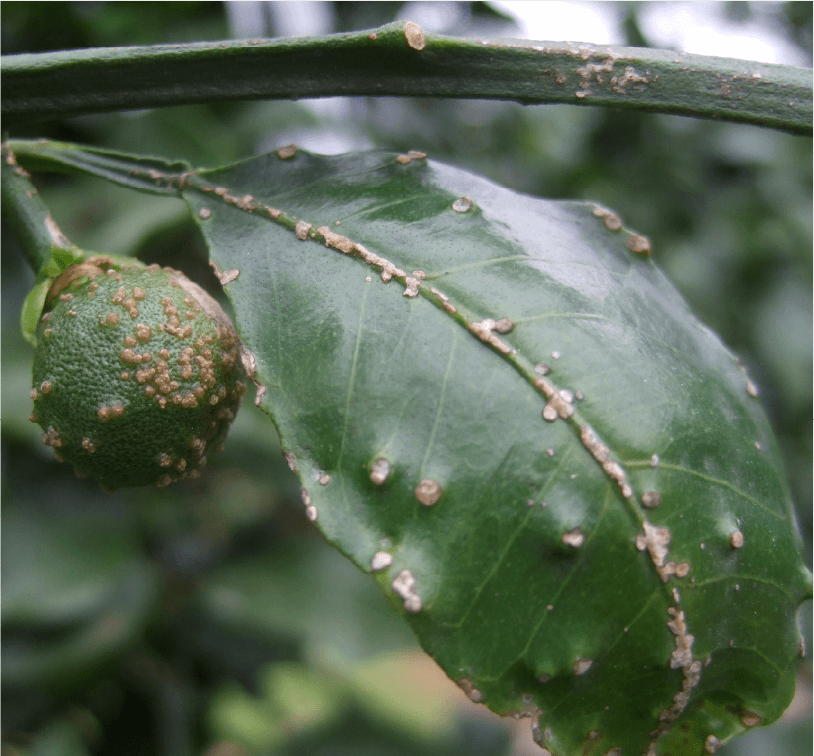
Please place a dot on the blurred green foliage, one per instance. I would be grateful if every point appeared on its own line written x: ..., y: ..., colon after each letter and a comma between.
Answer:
x: 207, y: 618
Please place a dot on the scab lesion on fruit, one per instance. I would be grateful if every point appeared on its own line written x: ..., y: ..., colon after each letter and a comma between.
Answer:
x: 52, y: 437
x: 159, y: 381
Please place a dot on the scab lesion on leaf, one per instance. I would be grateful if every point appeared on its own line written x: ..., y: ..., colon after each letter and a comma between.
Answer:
x: 380, y: 471
x: 404, y: 586
x: 381, y: 561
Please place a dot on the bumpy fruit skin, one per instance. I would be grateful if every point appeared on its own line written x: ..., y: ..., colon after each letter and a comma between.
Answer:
x: 137, y: 374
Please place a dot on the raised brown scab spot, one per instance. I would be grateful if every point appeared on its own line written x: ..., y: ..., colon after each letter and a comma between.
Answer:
x: 414, y: 35
x: 483, y: 330
x: 66, y: 297
x: 750, y: 719
x: 712, y: 744
x: 45, y: 387
x: 462, y: 204
x: 581, y: 666
x: 380, y: 471
x: 130, y: 357
x: 751, y: 389
x: 428, y: 492
x: 143, y: 333
x: 441, y: 296
x: 650, y: 499
x: 324, y: 480
x: 404, y: 159
x: 639, y: 244
x: 613, y: 222
x: 52, y: 437
x: 656, y: 540
x: 404, y: 586
x: 682, y: 655
x: 630, y: 76
x: 601, y: 454
x: 381, y: 561
x: 504, y: 325
x: 412, y: 286
x: 736, y: 539
x: 287, y: 152
x: 336, y: 241
x: 559, y: 405
x: 416, y: 154
x: 204, y: 213
x: 301, y: 229
x: 671, y: 568
x: 574, y: 537
x: 88, y: 445
x: 472, y: 693
x: 103, y: 414
x: 224, y: 276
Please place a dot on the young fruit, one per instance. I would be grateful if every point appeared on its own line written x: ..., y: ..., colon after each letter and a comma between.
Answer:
x: 137, y: 373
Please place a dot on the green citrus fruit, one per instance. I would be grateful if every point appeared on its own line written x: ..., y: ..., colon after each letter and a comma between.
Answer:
x: 137, y: 373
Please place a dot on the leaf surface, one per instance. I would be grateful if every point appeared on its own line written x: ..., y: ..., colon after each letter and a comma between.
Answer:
x: 538, y: 579
x: 562, y: 480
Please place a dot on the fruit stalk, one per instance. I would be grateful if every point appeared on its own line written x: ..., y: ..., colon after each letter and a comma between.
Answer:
x: 28, y: 216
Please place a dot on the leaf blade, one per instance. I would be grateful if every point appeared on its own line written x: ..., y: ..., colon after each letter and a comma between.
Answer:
x: 485, y: 630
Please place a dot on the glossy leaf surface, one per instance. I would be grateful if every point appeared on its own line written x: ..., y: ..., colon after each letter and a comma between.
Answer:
x: 542, y: 585
x: 560, y: 477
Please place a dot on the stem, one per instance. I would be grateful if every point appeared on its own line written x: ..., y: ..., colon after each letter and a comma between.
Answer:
x: 28, y: 215
x: 400, y: 60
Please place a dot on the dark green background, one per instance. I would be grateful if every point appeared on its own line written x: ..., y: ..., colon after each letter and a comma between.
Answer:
x: 149, y: 620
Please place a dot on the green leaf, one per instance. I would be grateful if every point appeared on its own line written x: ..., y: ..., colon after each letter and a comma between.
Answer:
x: 561, y: 479
x: 399, y: 59
x: 538, y: 579
x: 76, y: 594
